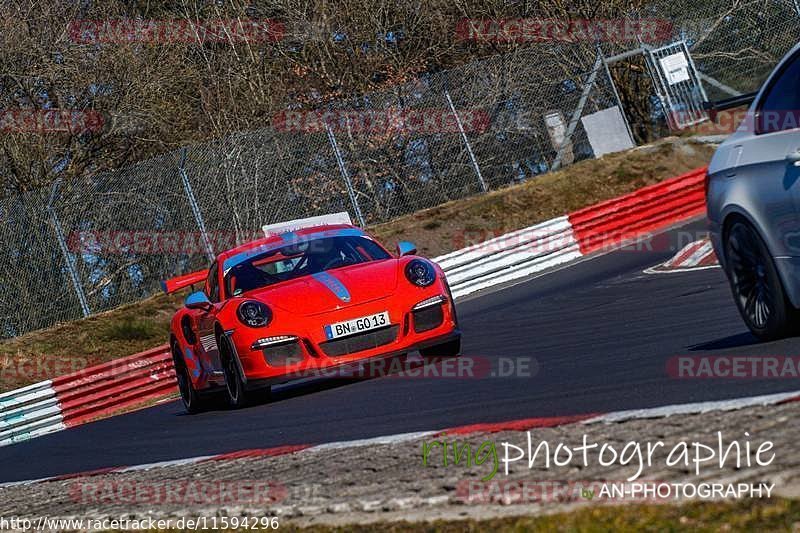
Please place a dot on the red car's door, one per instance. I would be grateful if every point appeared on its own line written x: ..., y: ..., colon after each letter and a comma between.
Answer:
x: 205, y: 320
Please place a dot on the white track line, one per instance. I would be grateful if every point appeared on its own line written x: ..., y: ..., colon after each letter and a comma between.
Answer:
x: 694, y: 408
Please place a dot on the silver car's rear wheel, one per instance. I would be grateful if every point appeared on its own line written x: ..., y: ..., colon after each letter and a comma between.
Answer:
x: 756, y: 287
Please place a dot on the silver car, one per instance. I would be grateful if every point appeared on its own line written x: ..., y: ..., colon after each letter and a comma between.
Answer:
x: 753, y: 200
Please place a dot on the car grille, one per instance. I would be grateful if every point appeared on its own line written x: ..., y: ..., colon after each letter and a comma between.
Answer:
x: 428, y: 319
x: 360, y: 342
x: 283, y: 355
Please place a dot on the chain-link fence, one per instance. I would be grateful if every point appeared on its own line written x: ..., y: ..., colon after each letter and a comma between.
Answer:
x: 92, y: 244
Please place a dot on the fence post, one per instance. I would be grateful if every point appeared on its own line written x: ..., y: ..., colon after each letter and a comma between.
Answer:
x: 345, y: 175
x: 466, y: 141
x: 62, y: 243
x: 198, y: 216
x: 576, y: 115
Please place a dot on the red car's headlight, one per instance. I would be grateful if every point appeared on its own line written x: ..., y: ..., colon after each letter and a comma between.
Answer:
x: 420, y: 273
x: 254, y: 314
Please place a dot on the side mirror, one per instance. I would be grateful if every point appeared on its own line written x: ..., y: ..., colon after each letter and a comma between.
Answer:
x: 197, y: 300
x: 406, y: 248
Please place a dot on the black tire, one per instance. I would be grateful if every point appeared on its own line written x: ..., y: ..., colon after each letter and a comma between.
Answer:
x: 259, y: 395
x: 452, y: 303
x: 234, y: 384
x: 756, y: 286
x: 192, y: 401
x: 448, y: 349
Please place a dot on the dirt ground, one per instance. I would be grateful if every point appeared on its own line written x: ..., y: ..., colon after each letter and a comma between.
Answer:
x: 379, y: 482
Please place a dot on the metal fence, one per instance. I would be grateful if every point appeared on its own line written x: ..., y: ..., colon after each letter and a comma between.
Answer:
x: 92, y: 244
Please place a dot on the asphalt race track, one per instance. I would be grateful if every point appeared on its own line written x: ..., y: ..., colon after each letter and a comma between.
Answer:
x: 601, y: 332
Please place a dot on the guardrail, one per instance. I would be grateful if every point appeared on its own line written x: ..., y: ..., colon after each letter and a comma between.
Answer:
x: 133, y: 381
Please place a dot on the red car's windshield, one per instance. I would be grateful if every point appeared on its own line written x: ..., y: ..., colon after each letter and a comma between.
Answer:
x: 301, y: 259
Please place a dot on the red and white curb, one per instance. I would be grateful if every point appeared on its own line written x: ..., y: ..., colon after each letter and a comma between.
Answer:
x: 492, y: 427
x: 698, y: 255
x: 601, y: 227
x: 30, y: 412
x: 87, y: 395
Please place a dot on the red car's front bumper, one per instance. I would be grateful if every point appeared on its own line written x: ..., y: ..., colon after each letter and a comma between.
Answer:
x: 306, y: 351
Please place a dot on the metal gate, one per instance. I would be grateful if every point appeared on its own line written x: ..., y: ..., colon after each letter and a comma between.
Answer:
x: 677, y: 85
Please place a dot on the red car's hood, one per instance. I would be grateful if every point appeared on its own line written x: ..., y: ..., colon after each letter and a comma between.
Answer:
x: 333, y: 289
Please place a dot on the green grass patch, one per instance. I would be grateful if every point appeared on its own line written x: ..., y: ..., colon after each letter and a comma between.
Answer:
x: 132, y: 330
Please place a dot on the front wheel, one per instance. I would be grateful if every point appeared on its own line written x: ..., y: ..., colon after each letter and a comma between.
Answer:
x: 448, y: 349
x: 234, y: 384
x: 755, y: 284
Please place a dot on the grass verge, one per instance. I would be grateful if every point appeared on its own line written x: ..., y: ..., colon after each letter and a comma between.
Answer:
x: 136, y: 327
x: 455, y: 224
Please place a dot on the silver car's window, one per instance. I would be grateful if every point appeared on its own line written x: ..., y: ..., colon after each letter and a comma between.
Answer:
x: 780, y: 108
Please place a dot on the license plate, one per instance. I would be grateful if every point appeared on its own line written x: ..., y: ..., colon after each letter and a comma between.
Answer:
x: 357, y: 325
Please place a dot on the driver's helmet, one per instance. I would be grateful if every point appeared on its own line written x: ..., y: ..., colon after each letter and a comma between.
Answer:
x: 321, y: 253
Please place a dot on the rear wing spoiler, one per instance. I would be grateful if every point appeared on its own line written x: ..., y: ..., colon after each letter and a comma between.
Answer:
x: 175, y: 284
x: 728, y: 103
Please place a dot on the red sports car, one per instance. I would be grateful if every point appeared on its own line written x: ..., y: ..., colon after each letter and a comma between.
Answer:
x: 300, y: 302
